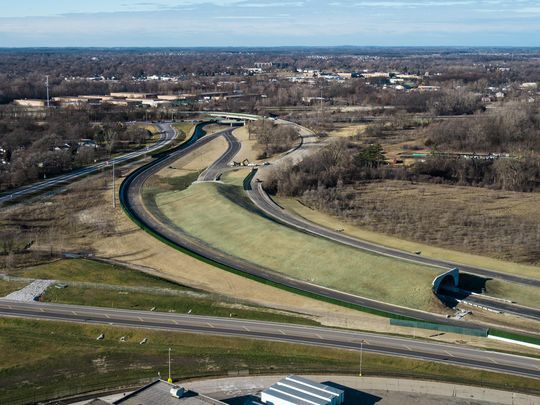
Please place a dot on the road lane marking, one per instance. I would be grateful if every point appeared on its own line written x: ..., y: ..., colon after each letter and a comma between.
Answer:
x: 280, y: 331
x: 247, y: 330
x: 140, y: 319
x: 319, y: 336
x: 449, y: 354
x: 210, y: 325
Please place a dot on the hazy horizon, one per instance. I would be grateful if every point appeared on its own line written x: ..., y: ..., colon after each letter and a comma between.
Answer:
x: 268, y: 23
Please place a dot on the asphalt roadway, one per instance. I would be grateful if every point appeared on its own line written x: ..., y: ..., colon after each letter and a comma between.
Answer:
x: 168, y: 134
x: 278, y: 332
x: 261, y: 199
x: 131, y: 192
x: 214, y: 171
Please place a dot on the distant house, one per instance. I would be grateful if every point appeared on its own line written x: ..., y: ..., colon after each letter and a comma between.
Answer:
x: 31, y: 103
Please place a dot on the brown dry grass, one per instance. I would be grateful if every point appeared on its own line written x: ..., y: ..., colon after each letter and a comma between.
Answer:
x: 248, y: 149
x: 82, y: 219
x: 502, y: 225
x: 348, y: 131
x: 358, y: 231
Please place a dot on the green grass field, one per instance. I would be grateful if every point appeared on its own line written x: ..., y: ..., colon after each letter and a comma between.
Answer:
x: 197, y: 303
x: 7, y: 287
x: 524, y: 295
x: 438, y: 252
x: 210, y: 211
x: 84, y: 270
x: 43, y: 359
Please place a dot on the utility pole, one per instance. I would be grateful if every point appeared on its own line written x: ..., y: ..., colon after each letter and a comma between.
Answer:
x: 47, y: 85
x: 113, y: 187
x: 321, y: 101
x: 361, y: 355
x: 169, y: 380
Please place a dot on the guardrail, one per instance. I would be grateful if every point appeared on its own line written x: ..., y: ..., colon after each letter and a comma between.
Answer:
x: 440, y: 327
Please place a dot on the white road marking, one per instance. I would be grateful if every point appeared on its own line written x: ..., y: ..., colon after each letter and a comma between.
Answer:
x: 280, y: 331
x: 247, y: 330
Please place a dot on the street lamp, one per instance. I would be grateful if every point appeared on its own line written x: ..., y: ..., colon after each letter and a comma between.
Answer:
x: 113, y: 187
x: 361, y: 355
x: 169, y: 380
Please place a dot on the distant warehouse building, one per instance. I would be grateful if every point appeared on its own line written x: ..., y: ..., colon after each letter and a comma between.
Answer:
x: 295, y: 390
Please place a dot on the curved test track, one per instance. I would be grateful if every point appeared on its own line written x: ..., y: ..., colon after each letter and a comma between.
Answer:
x: 154, y: 222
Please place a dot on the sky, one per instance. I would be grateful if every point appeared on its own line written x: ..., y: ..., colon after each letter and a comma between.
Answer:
x: 191, y: 23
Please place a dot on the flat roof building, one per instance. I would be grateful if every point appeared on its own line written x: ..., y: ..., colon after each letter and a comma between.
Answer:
x: 31, y: 103
x: 161, y: 392
x: 295, y: 390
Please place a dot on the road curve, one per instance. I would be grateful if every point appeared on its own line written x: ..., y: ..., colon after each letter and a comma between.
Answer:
x: 279, y: 332
x: 168, y: 134
x: 213, y: 172
x: 154, y: 222
x: 261, y: 199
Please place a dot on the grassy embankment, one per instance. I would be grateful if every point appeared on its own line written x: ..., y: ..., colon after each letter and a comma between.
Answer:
x: 42, y: 360
x: 426, y: 201
x: 259, y: 240
x: 516, y: 292
x: 363, y: 232
x: 7, y: 287
x: 120, y: 287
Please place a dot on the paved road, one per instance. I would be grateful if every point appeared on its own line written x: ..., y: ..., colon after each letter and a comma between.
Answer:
x: 215, y: 170
x: 131, y: 199
x: 405, y: 347
x: 261, y: 199
x: 168, y: 134
x: 265, y: 203
x: 490, y: 304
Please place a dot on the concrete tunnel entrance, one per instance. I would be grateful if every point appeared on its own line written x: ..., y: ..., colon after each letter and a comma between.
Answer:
x: 447, y: 279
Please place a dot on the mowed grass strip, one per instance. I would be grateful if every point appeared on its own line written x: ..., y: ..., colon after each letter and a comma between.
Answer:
x: 222, y: 216
x: 520, y: 294
x: 84, y: 270
x: 195, y: 304
x: 42, y: 360
x: 7, y: 287
x: 353, y: 228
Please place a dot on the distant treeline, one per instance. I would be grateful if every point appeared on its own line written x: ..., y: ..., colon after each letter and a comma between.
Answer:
x: 32, y: 149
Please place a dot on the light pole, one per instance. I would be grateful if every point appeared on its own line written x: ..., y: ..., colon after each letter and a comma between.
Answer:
x: 361, y: 355
x: 113, y: 187
x: 169, y: 380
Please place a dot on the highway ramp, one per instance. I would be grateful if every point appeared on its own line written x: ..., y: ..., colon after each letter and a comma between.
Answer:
x: 280, y: 332
x: 264, y: 202
x: 168, y: 134
x: 157, y: 224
